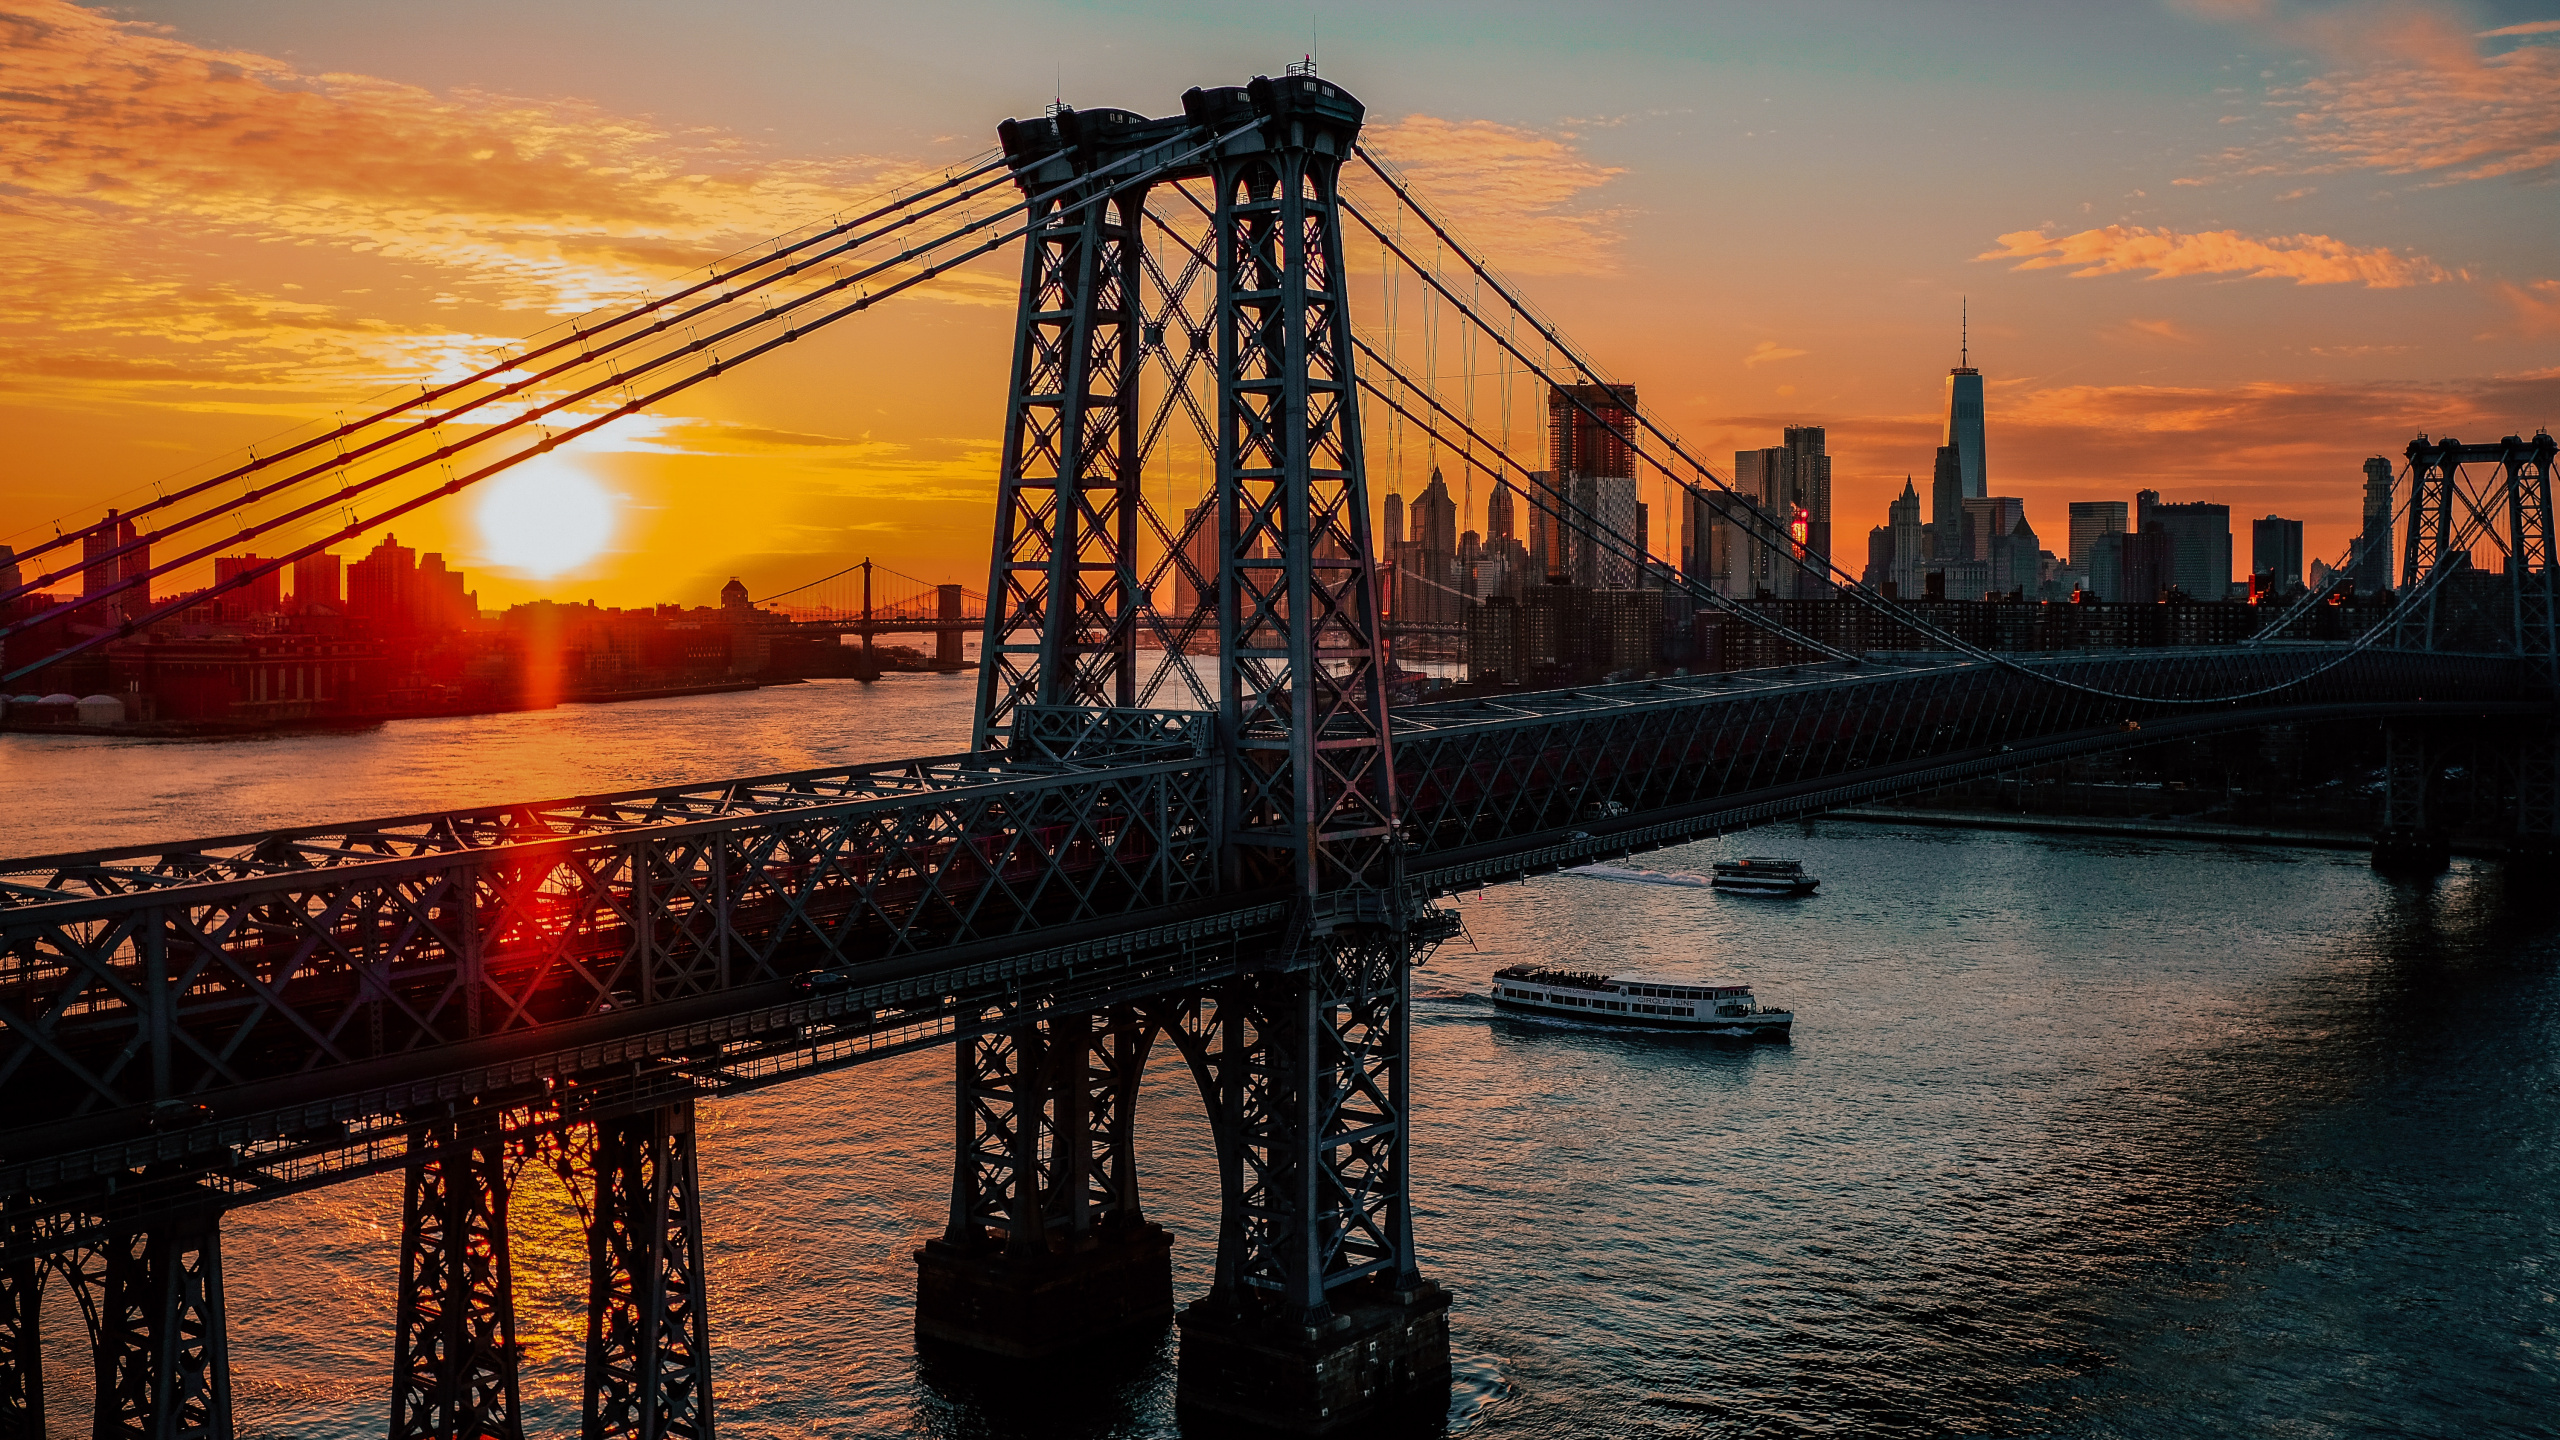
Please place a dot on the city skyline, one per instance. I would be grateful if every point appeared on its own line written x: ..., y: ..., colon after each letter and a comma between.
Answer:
x: 2210, y: 266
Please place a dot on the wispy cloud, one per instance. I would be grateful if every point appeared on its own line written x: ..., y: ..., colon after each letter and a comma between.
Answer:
x: 2169, y: 254
x: 1767, y: 351
x: 2410, y: 91
x: 2536, y: 306
x: 1523, y: 196
x: 133, y: 162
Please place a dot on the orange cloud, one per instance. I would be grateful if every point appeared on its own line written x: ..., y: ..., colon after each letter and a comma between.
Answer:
x: 1519, y: 197
x: 1767, y: 351
x: 2168, y: 254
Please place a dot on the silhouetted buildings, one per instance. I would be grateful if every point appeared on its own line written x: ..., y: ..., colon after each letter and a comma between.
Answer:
x: 1591, y: 477
x: 2097, y: 549
x: 2275, y: 554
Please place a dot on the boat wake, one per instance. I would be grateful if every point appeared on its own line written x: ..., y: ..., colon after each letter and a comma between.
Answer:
x: 1626, y: 875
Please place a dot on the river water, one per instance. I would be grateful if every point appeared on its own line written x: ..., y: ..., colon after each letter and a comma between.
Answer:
x: 2077, y: 1136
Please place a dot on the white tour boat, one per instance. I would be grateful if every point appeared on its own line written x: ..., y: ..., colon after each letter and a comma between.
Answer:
x: 1761, y: 875
x: 1661, y: 1004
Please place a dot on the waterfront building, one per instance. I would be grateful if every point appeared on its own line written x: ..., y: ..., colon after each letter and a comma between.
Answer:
x: 2275, y: 550
x: 1592, y: 469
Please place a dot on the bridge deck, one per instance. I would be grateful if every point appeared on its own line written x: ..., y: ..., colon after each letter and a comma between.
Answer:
x: 258, y: 1012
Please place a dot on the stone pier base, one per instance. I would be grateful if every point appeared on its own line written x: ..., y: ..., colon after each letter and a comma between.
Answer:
x: 2411, y: 852
x: 1040, y: 1305
x: 1381, y: 1361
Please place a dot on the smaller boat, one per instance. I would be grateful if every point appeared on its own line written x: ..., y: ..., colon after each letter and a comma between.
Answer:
x: 1761, y: 875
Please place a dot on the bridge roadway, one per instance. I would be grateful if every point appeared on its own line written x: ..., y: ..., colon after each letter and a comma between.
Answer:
x: 251, y: 1015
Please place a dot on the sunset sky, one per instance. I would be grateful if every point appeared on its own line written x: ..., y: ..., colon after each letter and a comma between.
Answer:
x: 2222, y: 249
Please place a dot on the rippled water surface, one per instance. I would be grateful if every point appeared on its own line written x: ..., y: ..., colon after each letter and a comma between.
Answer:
x: 2076, y: 1137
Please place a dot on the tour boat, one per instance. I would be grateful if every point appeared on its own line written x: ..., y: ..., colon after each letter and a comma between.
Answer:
x: 1649, y: 1001
x: 1761, y: 875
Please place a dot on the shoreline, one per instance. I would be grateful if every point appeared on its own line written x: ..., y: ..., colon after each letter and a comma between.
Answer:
x: 2136, y: 829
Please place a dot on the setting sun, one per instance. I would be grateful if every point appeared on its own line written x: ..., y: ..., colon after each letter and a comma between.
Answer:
x: 544, y: 518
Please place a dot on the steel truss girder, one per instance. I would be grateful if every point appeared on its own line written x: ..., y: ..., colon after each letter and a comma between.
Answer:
x: 454, y: 1357
x: 160, y: 994
x: 648, y: 1318
x: 1045, y: 1153
x: 1062, y: 591
x: 1475, y: 777
x: 154, y: 1299
x: 1310, y: 780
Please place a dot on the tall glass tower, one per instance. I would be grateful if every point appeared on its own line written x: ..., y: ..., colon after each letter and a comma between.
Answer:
x: 1964, y: 415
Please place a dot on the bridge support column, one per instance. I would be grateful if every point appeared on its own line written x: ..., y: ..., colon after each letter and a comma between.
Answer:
x: 1319, y: 1321
x: 2537, y: 837
x: 21, y: 1349
x: 2411, y: 843
x: 1047, y: 1249
x: 453, y: 1373
x: 648, y: 1320
x: 163, y: 1357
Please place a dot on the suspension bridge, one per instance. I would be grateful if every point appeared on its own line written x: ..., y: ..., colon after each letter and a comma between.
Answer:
x: 1227, y: 845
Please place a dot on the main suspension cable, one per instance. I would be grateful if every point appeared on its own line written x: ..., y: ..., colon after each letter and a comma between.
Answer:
x: 633, y: 404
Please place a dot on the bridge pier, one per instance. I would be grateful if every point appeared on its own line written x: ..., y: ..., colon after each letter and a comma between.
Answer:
x: 163, y: 1355
x: 648, y: 1320
x: 2411, y: 842
x: 454, y: 1358
x: 1047, y: 1249
x: 2537, y: 835
x: 22, y: 1349
x: 1319, y: 1320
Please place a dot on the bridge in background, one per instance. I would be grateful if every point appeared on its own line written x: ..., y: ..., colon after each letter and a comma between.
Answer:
x: 1249, y: 877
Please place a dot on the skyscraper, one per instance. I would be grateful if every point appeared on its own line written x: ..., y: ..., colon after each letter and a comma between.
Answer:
x: 1809, y: 502
x: 2275, y: 548
x: 1946, y: 507
x: 1391, y: 527
x: 1594, y: 466
x: 2199, y: 534
x: 1964, y: 418
x: 2089, y: 520
x: 2373, y: 565
x: 1498, y: 518
x: 1905, y: 520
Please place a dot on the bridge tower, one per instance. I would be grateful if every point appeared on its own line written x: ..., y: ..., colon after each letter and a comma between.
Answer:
x: 1317, y: 1315
x: 2447, y: 608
